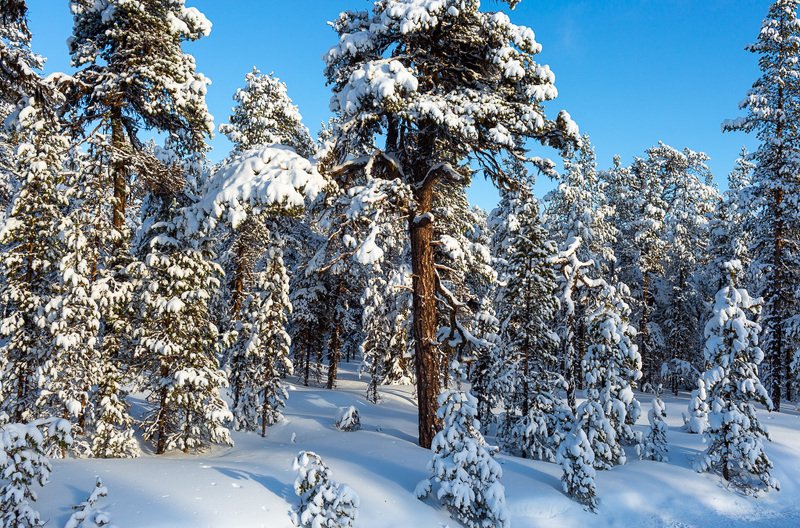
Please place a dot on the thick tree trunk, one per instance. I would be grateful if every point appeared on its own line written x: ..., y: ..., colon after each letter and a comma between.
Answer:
x: 426, y: 358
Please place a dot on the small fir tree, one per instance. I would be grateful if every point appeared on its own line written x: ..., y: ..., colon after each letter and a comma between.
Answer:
x: 576, y: 458
x: 655, y: 443
x: 324, y: 503
x: 464, y: 467
x: 735, y: 436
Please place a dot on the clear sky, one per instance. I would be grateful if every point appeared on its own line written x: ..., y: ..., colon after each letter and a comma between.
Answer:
x: 631, y: 72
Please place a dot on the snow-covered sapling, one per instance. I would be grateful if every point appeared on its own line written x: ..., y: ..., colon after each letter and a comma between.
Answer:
x: 655, y: 443
x: 463, y: 465
x: 576, y: 458
x: 87, y: 515
x: 696, y: 419
x: 24, y: 464
x: 324, y: 503
x: 735, y: 436
x: 348, y: 419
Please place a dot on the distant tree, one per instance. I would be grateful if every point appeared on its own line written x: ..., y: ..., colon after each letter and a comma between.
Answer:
x: 265, y: 114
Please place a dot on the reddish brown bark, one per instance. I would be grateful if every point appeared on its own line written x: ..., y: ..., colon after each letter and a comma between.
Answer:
x: 424, y: 313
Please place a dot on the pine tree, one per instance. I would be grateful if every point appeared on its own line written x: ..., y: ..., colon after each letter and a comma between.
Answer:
x: 264, y: 114
x: 407, y: 85
x: 18, y: 64
x: 87, y: 514
x: 31, y: 252
x: 576, y: 458
x: 655, y: 443
x: 385, y: 347
x: 463, y: 466
x: 524, y: 376
x: 772, y: 113
x: 324, y: 503
x: 177, y: 341
x: 24, y: 464
x: 262, y: 356
x: 612, y: 364
x: 735, y: 436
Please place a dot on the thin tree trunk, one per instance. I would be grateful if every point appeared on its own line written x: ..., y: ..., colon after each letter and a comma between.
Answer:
x: 334, y: 352
x: 161, y: 425
x: 119, y: 173
x: 424, y: 313
x: 776, y: 327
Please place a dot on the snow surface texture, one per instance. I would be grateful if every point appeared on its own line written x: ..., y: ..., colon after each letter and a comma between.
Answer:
x: 251, y: 485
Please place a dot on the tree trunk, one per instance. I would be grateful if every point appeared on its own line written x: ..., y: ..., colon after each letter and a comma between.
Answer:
x: 424, y: 313
x: 775, y: 324
x: 118, y: 170
x: 334, y: 352
x: 644, y: 333
x: 161, y: 425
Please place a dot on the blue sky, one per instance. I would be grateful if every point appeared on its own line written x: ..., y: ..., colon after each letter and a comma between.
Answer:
x: 630, y: 72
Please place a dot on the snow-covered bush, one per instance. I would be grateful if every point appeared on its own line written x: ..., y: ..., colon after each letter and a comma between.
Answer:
x: 24, y: 464
x: 464, y: 467
x: 655, y: 443
x: 324, y: 503
x: 696, y: 419
x: 87, y: 515
x: 600, y: 434
x: 348, y: 419
x: 735, y: 436
x: 576, y: 458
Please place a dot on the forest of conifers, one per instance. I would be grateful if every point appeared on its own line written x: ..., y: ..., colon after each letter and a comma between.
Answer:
x: 130, y: 264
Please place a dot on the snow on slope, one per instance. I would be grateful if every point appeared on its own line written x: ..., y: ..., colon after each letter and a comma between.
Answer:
x: 250, y: 485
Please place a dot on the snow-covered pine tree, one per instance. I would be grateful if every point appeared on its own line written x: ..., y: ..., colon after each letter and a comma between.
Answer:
x: 24, y: 465
x: 177, y: 342
x: 31, y: 253
x: 324, y: 503
x: 577, y: 208
x: 463, y: 466
x: 773, y: 114
x: 696, y: 419
x: 655, y: 442
x: 576, y: 458
x: 385, y: 348
x: 525, y: 375
x: 18, y: 64
x: 132, y: 74
x: 262, y: 356
x: 735, y: 436
x: 611, y: 367
x: 18, y: 77
x: 406, y: 85
x: 348, y: 420
x: 264, y: 114
x: 308, y: 297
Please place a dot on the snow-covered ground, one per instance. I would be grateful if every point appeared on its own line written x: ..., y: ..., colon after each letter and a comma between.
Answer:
x: 250, y: 485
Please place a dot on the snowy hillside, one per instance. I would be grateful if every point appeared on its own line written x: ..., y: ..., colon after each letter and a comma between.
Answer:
x: 250, y: 485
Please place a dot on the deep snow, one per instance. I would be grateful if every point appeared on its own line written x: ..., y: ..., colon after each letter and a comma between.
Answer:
x: 250, y: 485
